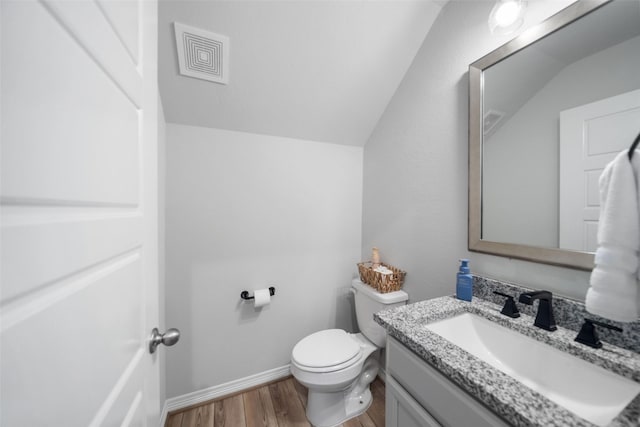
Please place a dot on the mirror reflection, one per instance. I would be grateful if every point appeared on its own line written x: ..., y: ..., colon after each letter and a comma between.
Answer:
x: 553, y: 115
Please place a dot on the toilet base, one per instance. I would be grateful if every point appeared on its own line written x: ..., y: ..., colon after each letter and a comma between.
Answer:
x: 358, y: 405
x: 334, y: 408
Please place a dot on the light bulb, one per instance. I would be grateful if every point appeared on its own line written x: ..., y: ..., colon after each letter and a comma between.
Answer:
x: 506, y: 16
x: 507, y: 13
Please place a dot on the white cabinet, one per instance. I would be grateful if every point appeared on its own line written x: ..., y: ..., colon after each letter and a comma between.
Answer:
x: 418, y: 394
x: 401, y: 410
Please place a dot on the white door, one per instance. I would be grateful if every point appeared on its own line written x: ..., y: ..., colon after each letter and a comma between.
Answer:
x: 590, y: 137
x: 78, y: 210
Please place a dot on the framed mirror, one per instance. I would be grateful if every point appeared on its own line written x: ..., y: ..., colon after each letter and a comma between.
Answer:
x: 547, y: 112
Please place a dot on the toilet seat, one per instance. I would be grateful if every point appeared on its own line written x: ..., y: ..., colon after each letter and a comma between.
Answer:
x: 326, y: 351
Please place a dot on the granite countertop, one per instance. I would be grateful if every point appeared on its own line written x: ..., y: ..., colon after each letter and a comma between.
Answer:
x: 516, y: 403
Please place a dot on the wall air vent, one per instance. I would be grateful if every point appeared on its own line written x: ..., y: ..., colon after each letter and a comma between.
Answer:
x: 202, y: 54
x: 490, y: 121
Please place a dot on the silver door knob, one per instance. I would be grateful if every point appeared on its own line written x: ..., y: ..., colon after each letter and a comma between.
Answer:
x: 169, y: 338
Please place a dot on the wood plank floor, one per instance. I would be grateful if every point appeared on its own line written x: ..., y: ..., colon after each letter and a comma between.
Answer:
x: 279, y: 404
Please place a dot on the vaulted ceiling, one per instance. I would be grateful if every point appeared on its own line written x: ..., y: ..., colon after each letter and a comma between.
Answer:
x: 315, y: 70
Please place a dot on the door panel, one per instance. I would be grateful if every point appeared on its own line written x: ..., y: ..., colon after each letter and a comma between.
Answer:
x: 93, y: 26
x: 79, y: 213
x: 49, y: 240
x: 591, y: 136
x: 60, y: 348
x: 78, y: 133
x: 124, y: 18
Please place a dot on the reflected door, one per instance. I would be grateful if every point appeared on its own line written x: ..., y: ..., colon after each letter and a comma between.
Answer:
x: 590, y: 137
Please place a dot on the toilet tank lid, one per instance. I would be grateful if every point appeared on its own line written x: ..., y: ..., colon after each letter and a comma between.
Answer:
x: 388, y: 298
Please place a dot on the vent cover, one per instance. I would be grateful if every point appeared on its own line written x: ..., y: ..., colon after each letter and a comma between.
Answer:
x: 202, y: 54
x: 490, y: 121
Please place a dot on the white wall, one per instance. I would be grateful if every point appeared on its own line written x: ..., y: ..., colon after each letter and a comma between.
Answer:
x: 533, y: 133
x: 245, y: 211
x: 415, y: 164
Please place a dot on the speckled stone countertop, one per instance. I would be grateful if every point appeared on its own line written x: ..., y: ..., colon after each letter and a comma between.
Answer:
x: 514, y: 402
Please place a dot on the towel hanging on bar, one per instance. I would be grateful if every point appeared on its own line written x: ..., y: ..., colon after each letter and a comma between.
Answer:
x: 633, y: 146
x: 614, y: 291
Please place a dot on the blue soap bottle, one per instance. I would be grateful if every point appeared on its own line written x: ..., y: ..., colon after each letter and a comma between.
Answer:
x: 464, y: 282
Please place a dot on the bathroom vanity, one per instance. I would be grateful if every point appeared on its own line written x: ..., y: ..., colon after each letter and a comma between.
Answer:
x: 432, y: 382
x: 418, y: 395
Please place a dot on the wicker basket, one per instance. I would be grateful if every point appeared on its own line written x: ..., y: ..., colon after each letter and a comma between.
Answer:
x: 383, y: 283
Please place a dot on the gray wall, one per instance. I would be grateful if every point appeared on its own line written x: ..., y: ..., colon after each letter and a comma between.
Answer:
x: 245, y: 211
x: 415, y: 164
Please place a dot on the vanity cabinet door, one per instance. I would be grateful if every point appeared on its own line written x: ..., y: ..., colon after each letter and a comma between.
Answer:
x: 433, y: 391
x: 401, y: 410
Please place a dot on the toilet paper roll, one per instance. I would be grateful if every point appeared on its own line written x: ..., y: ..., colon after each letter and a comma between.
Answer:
x: 262, y: 297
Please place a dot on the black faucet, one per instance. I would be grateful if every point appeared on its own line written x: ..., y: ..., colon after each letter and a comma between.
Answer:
x: 544, y: 318
x: 510, y: 309
x: 588, y: 334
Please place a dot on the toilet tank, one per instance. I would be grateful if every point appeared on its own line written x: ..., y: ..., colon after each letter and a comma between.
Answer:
x: 368, y: 301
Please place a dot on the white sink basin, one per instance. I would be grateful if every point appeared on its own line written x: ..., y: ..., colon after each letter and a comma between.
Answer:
x: 587, y: 390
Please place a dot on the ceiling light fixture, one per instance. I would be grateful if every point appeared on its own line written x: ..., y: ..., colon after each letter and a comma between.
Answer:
x: 507, y: 16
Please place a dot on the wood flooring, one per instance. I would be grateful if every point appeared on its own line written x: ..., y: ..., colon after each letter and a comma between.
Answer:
x: 279, y: 404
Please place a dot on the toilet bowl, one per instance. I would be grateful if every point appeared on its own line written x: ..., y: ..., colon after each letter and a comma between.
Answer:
x: 334, y: 393
x: 337, y: 367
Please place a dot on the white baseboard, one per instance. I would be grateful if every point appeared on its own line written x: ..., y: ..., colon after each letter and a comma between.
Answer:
x: 163, y: 415
x: 225, y: 389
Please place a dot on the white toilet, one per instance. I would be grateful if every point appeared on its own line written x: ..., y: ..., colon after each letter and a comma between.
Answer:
x: 337, y: 367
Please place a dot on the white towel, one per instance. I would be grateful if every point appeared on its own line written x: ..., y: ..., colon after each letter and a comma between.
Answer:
x: 614, y: 287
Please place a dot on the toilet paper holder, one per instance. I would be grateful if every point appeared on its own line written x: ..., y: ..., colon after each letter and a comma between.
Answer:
x: 245, y: 294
